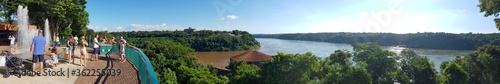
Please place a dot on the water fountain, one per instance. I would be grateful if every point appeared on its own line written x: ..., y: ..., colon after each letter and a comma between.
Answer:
x: 47, y: 33
x: 24, y: 34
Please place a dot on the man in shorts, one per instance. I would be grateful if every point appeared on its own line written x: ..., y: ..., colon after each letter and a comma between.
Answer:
x: 96, y: 49
x: 38, y: 49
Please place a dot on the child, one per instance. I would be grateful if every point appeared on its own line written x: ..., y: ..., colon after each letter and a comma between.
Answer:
x: 54, y: 59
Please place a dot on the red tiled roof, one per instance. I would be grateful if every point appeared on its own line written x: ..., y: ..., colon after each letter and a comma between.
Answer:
x: 220, y: 67
x: 252, y: 56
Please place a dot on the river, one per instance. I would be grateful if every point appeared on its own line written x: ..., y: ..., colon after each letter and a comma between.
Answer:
x: 271, y: 46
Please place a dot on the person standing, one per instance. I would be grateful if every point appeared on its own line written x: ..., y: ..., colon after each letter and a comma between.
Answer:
x: 71, y: 45
x: 96, y: 49
x: 112, y: 40
x: 12, y: 43
x: 123, y: 46
x: 103, y: 40
x: 83, y: 56
x: 56, y: 37
x: 38, y: 49
x: 75, y: 45
x: 76, y: 39
x: 67, y: 53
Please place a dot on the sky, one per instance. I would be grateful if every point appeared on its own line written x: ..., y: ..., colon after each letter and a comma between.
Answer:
x: 291, y: 16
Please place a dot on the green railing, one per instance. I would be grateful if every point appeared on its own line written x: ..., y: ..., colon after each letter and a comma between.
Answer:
x: 141, y: 62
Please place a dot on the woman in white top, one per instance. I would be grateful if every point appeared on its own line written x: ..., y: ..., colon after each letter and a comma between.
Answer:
x: 123, y: 45
x: 54, y: 59
x: 12, y: 40
x: 83, y: 57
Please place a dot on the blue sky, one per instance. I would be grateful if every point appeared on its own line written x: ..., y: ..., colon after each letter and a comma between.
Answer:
x: 291, y: 16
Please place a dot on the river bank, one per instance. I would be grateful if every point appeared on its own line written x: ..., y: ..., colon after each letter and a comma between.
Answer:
x: 426, y: 40
x: 271, y: 46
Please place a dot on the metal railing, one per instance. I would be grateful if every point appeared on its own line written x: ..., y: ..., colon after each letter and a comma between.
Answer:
x: 135, y: 55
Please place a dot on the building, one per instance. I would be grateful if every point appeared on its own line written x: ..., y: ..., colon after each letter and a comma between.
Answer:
x: 13, y: 28
x: 221, y: 70
x: 189, y: 30
x: 252, y: 57
x: 7, y: 29
x: 227, y: 34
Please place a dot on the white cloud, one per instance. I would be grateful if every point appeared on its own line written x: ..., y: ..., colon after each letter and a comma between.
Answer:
x: 460, y: 12
x: 105, y: 29
x: 119, y: 28
x: 228, y: 18
x: 92, y: 27
x: 231, y: 17
x: 97, y: 28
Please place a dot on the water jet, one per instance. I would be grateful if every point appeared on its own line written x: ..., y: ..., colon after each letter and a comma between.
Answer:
x: 24, y: 34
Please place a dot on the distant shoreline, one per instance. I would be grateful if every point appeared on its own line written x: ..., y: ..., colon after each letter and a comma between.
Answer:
x: 447, y: 41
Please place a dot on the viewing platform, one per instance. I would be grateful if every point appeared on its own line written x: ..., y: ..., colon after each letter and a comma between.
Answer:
x: 119, y: 73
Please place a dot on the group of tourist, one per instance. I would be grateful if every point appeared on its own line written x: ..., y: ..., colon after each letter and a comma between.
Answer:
x: 39, y: 46
x: 73, y: 42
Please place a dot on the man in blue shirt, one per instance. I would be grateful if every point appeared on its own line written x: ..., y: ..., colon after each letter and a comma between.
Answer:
x: 38, y: 49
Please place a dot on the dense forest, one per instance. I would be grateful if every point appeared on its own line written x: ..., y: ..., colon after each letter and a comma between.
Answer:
x: 367, y: 64
x: 176, y: 63
x: 204, y: 40
x: 464, y: 41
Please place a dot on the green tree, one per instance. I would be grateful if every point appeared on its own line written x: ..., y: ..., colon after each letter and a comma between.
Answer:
x: 400, y: 76
x: 484, y: 64
x: 67, y: 12
x: 380, y: 62
x: 166, y: 54
x: 290, y: 69
x: 339, y: 70
x: 341, y: 57
x: 196, y: 76
x: 233, y: 65
x: 9, y: 9
x: 490, y: 8
x: 480, y: 66
x: 347, y: 74
x: 418, y: 68
x: 60, y: 13
x: 167, y: 77
x: 246, y: 74
x: 454, y: 73
x: 66, y: 31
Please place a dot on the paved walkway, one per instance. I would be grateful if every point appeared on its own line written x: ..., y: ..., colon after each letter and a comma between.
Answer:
x: 128, y: 74
x: 125, y: 72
